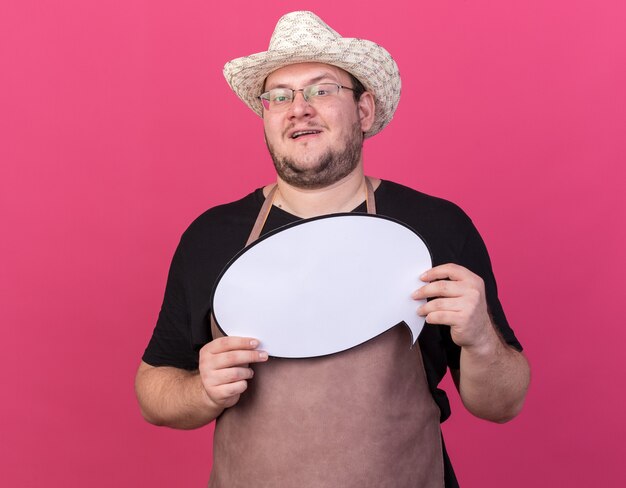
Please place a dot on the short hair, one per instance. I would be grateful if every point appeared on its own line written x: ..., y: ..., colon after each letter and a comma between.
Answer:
x: 357, y: 87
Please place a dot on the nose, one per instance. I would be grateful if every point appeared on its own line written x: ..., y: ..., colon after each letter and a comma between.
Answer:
x: 299, y: 106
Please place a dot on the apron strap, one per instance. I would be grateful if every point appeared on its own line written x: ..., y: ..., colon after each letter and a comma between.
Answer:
x: 262, y: 217
x: 370, y: 202
x: 370, y: 198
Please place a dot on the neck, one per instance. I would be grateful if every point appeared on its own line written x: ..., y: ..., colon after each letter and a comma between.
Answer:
x: 342, y: 196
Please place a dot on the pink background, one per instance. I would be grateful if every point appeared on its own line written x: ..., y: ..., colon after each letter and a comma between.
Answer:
x: 117, y: 129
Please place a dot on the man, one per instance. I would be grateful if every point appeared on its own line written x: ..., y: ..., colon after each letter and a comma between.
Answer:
x: 368, y: 416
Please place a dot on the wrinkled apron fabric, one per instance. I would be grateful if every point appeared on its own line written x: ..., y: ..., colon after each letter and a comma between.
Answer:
x: 364, y: 417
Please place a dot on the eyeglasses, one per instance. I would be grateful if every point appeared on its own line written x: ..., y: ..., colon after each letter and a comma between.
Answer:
x: 279, y: 99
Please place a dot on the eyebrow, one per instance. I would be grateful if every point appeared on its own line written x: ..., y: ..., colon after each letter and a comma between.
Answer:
x: 311, y: 81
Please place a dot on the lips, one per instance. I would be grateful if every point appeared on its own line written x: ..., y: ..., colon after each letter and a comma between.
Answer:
x: 296, y: 133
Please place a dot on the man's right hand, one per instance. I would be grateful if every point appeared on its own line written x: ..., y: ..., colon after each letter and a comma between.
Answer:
x: 224, y: 368
x: 185, y: 399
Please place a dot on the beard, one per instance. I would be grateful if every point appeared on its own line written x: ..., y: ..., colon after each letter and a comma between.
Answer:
x: 331, y: 166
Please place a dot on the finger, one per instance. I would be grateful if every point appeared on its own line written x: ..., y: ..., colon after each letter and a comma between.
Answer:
x: 223, y: 344
x: 442, y: 288
x: 229, y: 375
x: 442, y: 317
x: 220, y: 394
x: 229, y: 359
x: 446, y: 271
x: 440, y: 305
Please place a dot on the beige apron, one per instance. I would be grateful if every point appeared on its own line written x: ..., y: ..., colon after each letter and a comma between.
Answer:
x: 364, y: 417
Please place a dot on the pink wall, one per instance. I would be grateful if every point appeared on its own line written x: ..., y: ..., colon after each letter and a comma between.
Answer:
x: 117, y: 129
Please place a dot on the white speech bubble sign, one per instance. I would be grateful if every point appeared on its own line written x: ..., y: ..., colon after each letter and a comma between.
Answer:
x: 323, y: 285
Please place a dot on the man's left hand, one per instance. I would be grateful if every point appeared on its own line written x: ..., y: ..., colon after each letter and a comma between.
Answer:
x: 458, y: 300
x: 493, y: 377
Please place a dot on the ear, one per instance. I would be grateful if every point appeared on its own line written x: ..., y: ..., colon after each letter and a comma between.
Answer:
x: 366, y: 107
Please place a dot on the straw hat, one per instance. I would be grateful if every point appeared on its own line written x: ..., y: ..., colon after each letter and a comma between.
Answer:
x: 301, y: 37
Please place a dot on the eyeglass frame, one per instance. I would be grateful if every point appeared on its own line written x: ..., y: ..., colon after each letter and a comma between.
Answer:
x: 293, y: 94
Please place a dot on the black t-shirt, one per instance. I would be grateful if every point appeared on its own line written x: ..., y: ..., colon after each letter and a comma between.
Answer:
x: 212, y: 240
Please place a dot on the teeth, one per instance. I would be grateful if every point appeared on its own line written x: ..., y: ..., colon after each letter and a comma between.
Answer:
x: 295, y: 135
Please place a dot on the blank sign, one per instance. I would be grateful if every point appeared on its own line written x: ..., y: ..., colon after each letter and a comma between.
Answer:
x: 323, y: 285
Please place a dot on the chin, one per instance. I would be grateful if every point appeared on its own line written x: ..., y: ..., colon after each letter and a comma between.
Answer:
x: 318, y: 168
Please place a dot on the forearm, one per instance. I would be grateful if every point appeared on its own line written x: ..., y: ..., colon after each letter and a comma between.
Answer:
x: 493, y: 380
x: 173, y: 397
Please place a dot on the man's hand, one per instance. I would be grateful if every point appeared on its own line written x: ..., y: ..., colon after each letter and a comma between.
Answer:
x: 458, y: 301
x: 224, y: 368
x: 190, y: 399
x: 493, y: 377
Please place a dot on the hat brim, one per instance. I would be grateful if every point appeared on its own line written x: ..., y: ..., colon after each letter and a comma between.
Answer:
x: 370, y: 63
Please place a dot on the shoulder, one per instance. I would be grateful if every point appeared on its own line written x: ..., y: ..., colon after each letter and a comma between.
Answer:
x: 224, y: 218
x: 410, y: 206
